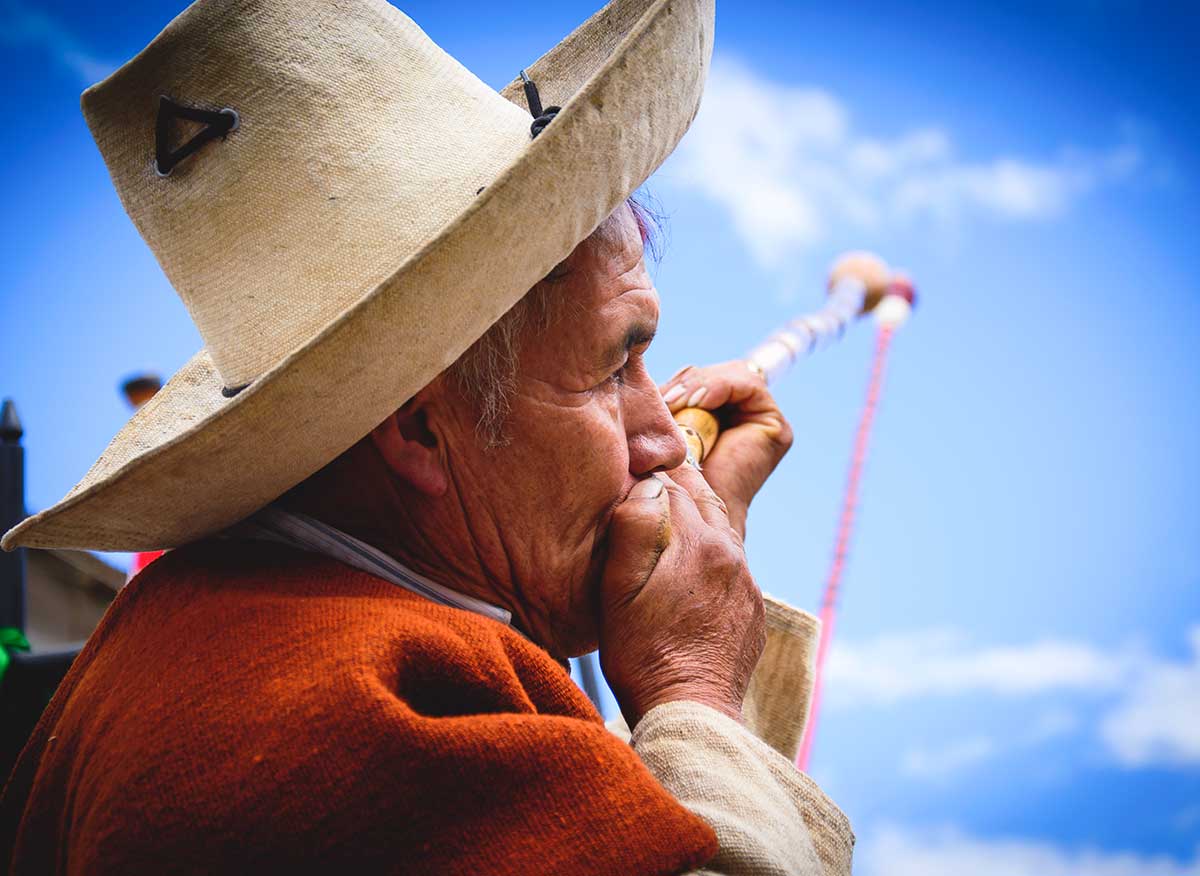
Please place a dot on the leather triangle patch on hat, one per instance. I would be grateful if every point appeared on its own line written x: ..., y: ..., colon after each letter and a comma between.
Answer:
x: 217, y: 125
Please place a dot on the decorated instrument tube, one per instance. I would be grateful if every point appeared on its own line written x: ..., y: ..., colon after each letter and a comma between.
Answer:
x: 858, y: 282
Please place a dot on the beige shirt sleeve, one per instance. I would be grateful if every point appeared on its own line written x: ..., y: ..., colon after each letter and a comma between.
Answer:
x: 768, y: 816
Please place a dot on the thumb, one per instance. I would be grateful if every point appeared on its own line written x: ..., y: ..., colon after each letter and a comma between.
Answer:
x: 638, y: 533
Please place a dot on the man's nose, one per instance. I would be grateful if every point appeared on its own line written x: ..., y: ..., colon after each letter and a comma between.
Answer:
x: 655, y: 442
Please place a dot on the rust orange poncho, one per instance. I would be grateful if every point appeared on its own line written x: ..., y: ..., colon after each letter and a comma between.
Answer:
x: 246, y: 707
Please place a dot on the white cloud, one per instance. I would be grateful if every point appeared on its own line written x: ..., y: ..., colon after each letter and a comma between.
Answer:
x: 938, y: 764
x: 1151, y: 713
x: 943, y: 662
x: 1158, y: 722
x: 946, y: 761
x: 788, y: 163
x: 22, y: 26
x: 894, y: 851
x: 1051, y: 725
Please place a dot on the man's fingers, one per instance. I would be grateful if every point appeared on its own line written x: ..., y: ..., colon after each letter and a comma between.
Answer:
x: 708, y: 503
x: 715, y: 386
x: 638, y: 533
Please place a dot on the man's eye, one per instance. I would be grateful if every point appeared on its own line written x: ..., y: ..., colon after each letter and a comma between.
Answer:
x: 633, y: 362
x: 617, y: 378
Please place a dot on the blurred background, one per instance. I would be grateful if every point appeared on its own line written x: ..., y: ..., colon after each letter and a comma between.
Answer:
x: 1015, y: 683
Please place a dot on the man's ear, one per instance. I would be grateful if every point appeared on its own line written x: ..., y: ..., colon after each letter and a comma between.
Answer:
x: 410, y: 449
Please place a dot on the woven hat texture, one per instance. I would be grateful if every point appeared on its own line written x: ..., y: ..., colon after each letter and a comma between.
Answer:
x: 372, y: 209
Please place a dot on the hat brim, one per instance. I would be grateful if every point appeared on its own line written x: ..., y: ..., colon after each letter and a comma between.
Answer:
x: 191, y: 462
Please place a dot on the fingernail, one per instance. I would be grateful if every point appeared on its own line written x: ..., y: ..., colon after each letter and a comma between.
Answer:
x: 696, y: 397
x: 674, y: 392
x: 678, y: 373
x: 646, y: 489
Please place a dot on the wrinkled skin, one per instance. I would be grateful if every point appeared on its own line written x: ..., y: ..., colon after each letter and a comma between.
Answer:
x: 546, y: 526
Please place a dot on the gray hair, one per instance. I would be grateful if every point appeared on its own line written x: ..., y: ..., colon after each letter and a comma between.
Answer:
x: 486, y: 374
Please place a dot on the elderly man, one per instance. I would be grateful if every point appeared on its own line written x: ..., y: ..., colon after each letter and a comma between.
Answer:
x: 356, y: 654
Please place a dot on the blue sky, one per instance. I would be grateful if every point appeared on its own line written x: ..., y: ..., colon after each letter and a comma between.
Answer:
x: 1016, y: 684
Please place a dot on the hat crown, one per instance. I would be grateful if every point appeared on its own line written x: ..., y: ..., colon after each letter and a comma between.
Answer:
x: 357, y: 139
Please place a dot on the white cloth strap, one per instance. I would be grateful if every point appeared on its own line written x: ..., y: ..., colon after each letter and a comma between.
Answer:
x: 306, y: 533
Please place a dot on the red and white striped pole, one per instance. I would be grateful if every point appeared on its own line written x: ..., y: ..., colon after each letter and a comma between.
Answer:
x: 859, y: 283
x: 891, y: 313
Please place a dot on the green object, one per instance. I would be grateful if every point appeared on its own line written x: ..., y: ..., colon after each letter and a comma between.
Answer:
x: 11, y: 639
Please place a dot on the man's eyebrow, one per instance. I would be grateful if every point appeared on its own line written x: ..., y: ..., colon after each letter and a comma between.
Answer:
x: 635, y: 336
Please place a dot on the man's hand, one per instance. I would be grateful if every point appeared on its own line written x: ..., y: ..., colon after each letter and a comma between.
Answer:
x: 754, y: 434
x: 681, y: 618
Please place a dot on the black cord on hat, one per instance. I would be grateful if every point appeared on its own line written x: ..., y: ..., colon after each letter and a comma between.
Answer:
x: 541, y: 117
x: 217, y: 125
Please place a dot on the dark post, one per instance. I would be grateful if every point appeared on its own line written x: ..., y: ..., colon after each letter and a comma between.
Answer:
x: 12, y: 512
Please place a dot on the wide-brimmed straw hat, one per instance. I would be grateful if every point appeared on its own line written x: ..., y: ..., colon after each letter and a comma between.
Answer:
x: 344, y: 209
